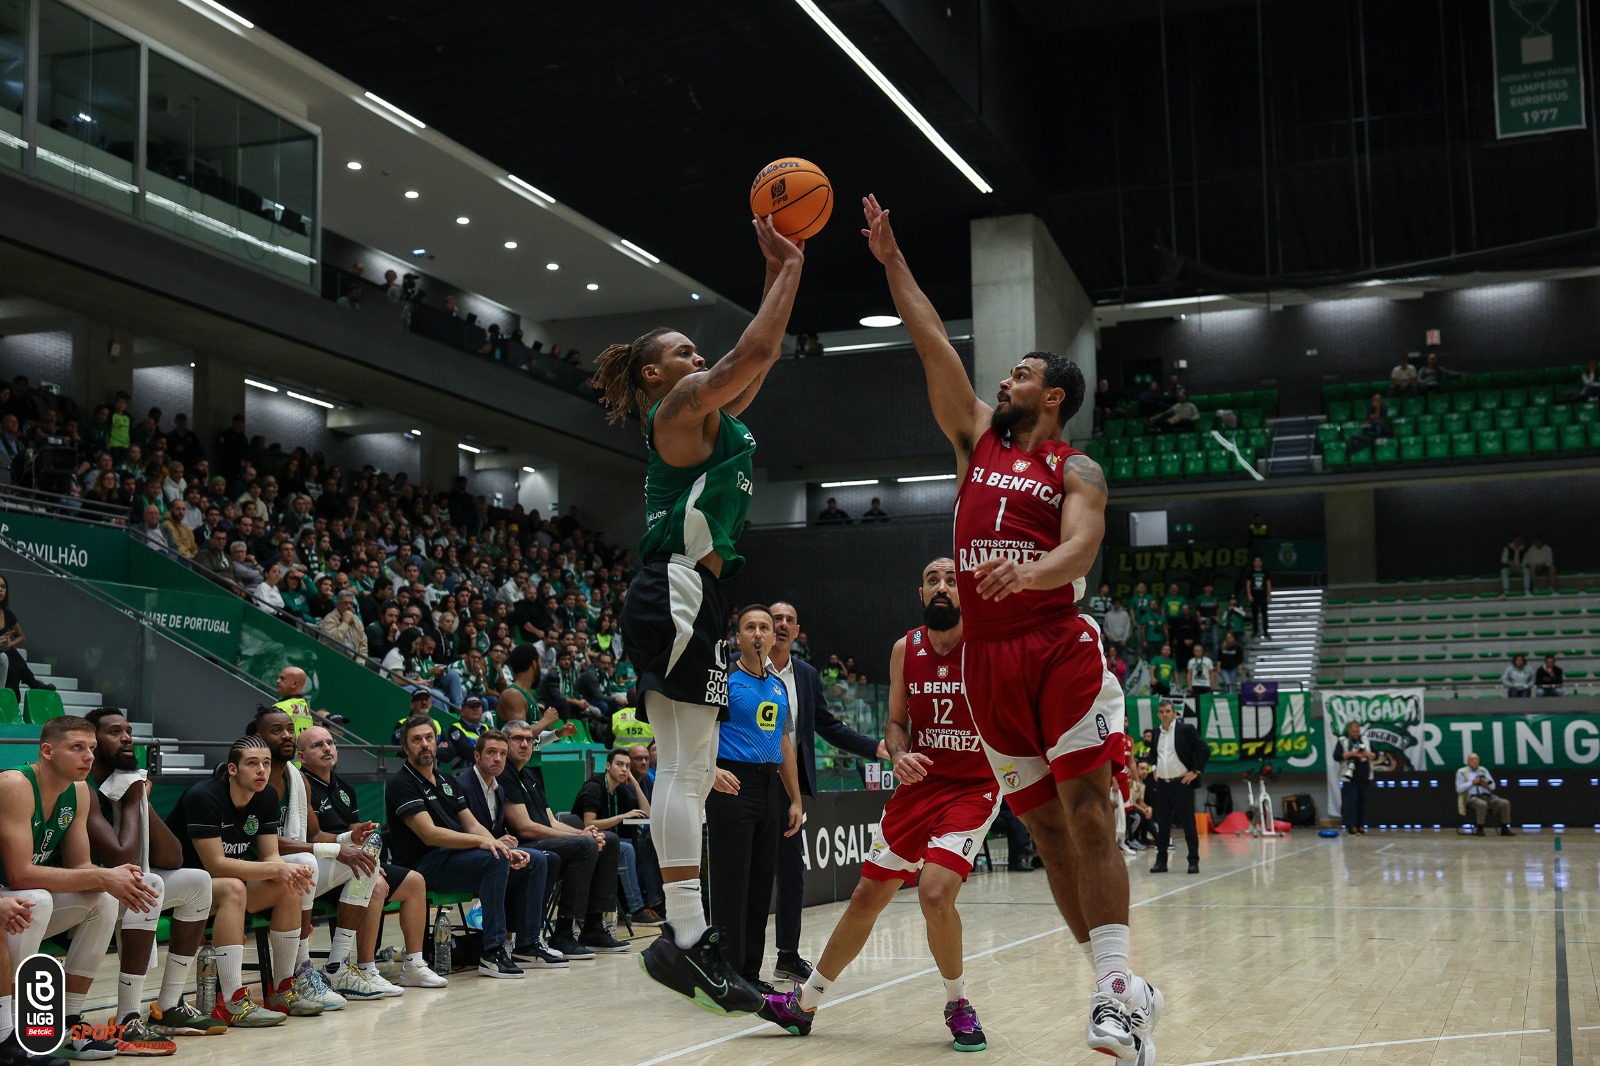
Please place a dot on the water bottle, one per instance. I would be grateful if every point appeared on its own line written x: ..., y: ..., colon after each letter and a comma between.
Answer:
x: 390, y: 962
x: 361, y: 884
x: 206, y: 989
x: 441, y: 943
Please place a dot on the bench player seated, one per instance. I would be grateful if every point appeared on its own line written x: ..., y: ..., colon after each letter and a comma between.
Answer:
x: 333, y: 800
x: 44, y: 853
x: 124, y: 828
x: 335, y: 862
x: 228, y: 826
x: 933, y: 825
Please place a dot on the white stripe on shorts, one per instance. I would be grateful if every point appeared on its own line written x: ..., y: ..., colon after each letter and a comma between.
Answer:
x: 685, y: 594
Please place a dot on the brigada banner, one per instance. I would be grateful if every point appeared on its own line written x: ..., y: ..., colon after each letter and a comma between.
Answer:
x: 1280, y: 734
x: 1508, y: 743
x: 1538, y: 70
x: 1392, y: 721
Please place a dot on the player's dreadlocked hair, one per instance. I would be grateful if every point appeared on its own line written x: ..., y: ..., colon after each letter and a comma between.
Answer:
x: 617, y: 379
x: 253, y: 729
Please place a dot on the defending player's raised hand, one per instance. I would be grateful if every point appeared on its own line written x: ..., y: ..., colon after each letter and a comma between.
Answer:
x: 912, y: 766
x: 879, y: 234
x: 999, y: 578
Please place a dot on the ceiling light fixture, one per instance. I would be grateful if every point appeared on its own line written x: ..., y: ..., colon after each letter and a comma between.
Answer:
x: 462, y: 220
x: 926, y: 477
x: 419, y: 252
x: 310, y: 399
x: 694, y: 296
x: 592, y: 287
x: 634, y: 247
x: 387, y: 106
x: 253, y: 383
x: 848, y: 484
x: 353, y: 165
x: 540, y: 193
x: 880, y: 321
x: 412, y: 194
x: 191, y: 366
x: 470, y: 448
x: 234, y: 15
x: 552, y: 266
x: 529, y: 470
x: 895, y: 96
x: 511, y: 244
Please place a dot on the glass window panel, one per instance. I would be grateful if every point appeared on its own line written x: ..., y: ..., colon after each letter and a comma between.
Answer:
x: 13, y: 76
x: 87, y: 119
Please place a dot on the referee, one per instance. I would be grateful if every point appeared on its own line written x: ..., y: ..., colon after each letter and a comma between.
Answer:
x: 1180, y: 755
x: 756, y: 761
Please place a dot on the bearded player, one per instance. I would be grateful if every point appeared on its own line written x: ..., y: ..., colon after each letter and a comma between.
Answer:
x: 1029, y: 517
x: 938, y: 817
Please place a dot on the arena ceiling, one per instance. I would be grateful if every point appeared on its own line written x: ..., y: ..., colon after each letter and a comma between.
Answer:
x: 1172, y: 146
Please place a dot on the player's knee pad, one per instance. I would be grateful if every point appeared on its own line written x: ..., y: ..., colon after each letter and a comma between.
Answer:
x: 147, y: 920
x: 188, y: 893
x: 308, y: 898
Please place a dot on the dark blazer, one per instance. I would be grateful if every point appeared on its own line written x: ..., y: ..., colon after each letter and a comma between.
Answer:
x: 1187, y: 745
x: 812, y: 717
x: 478, y: 803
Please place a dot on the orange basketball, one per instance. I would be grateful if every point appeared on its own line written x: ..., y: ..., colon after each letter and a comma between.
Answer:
x: 796, y: 194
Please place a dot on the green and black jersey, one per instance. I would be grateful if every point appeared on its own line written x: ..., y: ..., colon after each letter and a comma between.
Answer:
x: 695, y: 510
x: 49, y: 829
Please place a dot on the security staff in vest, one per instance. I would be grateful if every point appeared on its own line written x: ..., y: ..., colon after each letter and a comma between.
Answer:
x: 291, y: 687
x: 757, y: 782
x: 1180, y: 755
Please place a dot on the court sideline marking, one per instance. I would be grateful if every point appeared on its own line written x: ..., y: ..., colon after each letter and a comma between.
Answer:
x: 1563, y: 1001
x: 1358, y: 1047
x: 766, y: 1027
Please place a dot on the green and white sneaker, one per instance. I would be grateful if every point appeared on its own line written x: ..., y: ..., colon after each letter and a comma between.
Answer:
x: 84, y: 1049
x: 311, y: 986
x: 350, y: 983
x: 183, y: 1020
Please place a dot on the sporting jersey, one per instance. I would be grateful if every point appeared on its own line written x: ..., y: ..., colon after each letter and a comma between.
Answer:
x: 50, y: 830
x: 1009, y: 507
x: 207, y: 810
x: 758, y: 718
x: 335, y: 803
x: 695, y: 510
x: 1258, y: 583
x: 941, y: 720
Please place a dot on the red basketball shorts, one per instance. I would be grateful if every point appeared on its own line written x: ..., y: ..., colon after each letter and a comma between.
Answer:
x: 943, y: 823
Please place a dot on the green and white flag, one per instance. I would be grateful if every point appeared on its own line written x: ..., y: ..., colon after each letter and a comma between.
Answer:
x: 1538, y: 66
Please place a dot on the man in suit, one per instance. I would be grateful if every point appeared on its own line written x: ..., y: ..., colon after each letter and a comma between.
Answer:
x: 811, y: 717
x: 525, y: 889
x: 1180, y: 755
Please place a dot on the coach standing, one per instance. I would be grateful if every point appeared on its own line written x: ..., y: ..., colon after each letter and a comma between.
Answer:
x: 1180, y: 756
x: 811, y: 716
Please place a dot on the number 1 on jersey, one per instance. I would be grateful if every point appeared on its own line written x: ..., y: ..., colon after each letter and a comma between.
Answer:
x: 1000, y: 514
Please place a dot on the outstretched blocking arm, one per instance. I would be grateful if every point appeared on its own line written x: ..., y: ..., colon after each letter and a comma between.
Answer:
x: 956, y: 407
x: 697, y: 398
x: 1083, y: 526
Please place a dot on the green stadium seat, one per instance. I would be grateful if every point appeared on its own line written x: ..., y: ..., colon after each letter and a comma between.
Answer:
x: 1143, y: 446
x: 1116, y: 427
x: 1428, y: 425
x: 1118, y: 447
x: 1515, y: 397
x: 1253, y: 418
x: 1122, y: 468
x: 1488, y: 399
x: 1326, y: 432
x: 1335, y: 455
x: 1145, y: 467
x: 1586, y: 414
x: 1491, y: 444
x: 1222, y: 400
x: 1507, y: 418
x: 1455, y: 422
x: 1094, y: 449
x: 1517, y: 443
x: 1194, y: 464
x: 1438, y: 447
x: 1480, y: 420
x: 1534, y: 417
x: 1438, y: 403
x: 1171, y: 467
x: 1386, y: 452
x: 1412, y: 406
x: 1404, y: 427
x: 1411, y: 450
x: 1560, y: 414
x: 1220, y: 464
x: 10, y: 710
x: 1541, y: 396
x: 43, y: 705
x: 1593, y: 430
x: 1573, y: 438
x: 1545, y: 440
x: 1464, y: 445
x: 1340, y: 411
x: 1463, y: 401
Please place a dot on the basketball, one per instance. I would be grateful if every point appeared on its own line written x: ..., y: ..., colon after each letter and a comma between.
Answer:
x: 796, y: 194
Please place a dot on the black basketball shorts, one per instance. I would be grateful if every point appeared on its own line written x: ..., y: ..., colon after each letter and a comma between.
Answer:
x: 674, y: 631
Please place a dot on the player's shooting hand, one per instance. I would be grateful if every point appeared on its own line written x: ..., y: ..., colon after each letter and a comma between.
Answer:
x: 777, y: 248
x: 726, y: 782
x: 879, y: 235
x: 911, y: 766
x: 796, y: 815
x: 999, y: 578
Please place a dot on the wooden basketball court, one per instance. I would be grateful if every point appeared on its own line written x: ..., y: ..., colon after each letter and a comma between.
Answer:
x: 1396, y: 948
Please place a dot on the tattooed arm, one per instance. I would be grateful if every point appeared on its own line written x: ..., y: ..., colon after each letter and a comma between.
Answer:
x: 1083, y: 525
x: 685, y: 424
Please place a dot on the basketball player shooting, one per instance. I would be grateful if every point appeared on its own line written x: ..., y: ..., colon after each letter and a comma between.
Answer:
x: 1030, y: 514
x: 698, y: 485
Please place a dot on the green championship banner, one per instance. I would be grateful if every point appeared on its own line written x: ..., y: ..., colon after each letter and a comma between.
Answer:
x: 93, y: 552
x: 1391, y: 721
x: 1538, y: 68
x: 1240, y: 742
x: 1512, y: 742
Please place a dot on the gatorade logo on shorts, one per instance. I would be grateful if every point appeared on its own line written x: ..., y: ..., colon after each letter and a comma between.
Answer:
x: 1100, y: 726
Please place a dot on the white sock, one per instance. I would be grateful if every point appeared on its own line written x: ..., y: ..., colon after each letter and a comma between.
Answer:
x: 368, y: 968
x: 7, y: 1026
x: 685, y: 913
x: 814, y: 991
x: 414, y: 958
x: 129, y: 987
x: 175, y: 981
x: 75, y: 1003
x: 339, y: 950
x: 303, y: 952
x: 1110, y: 944
x: 230, y: 969
x: 955, y: 988
x: 282, y: 949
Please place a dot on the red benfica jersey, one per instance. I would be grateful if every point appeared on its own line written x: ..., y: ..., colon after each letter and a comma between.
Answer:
x: 1010, y: 507
x: 941, y: 720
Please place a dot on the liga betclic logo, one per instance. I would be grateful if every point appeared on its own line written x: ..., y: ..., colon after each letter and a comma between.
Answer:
x: 40, y: 1004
